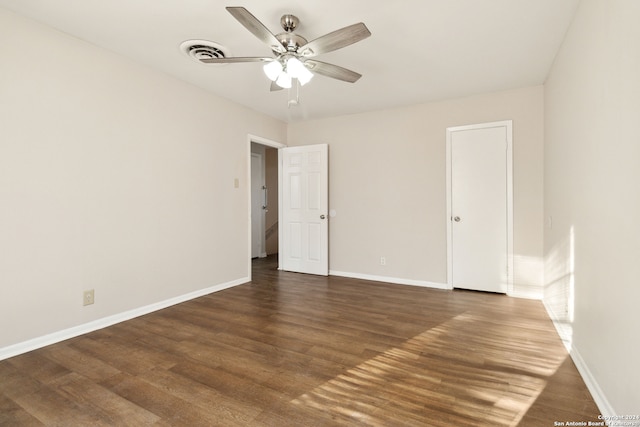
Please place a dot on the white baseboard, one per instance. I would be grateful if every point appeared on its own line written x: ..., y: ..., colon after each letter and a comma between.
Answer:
x: 525, y: 294
x: 594, y: 388
x: 55, y: 337
x: 393, y: 280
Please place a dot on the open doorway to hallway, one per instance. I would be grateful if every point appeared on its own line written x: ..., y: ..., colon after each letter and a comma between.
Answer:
x: 264, y: 201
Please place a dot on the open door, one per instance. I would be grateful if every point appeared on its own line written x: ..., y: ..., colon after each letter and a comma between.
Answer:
x: 304, y: 230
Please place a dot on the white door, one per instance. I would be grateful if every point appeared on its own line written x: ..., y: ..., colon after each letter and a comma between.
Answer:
x: 479, y: 206
x: 304, y: 231
x: 257, y: 211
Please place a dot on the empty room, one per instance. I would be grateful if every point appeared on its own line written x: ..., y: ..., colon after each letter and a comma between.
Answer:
x: 319, y: 213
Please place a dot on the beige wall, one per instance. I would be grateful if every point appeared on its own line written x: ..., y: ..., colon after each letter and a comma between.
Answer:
x: 592, y: 176
x: 112, y: 177
x: 388, y: 187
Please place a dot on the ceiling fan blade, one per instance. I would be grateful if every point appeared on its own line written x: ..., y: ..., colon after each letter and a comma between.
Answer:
x: 233, y: 60
x: 256, y: 28
x: 275, y: 87
x: 335, y: 40
x: 333, y: 71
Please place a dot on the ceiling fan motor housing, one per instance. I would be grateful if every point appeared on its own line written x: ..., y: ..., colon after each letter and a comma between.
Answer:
x: 291, y: 41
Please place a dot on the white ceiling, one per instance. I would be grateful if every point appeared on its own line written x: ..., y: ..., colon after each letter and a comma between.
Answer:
x: 419, y: 51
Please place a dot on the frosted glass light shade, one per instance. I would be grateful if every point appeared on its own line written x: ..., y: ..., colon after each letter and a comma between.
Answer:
x: 297, y: 70
x: 272, y: 70
x: 284, y: 80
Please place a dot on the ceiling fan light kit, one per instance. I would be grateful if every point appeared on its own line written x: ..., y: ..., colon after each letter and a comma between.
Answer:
x: 293, y: 68
x: 297, y: 70
x: 284, y: 80
x: 292, y: 52
x: 272, y: 70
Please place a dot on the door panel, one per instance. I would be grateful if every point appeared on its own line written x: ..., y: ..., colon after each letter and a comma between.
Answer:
x: 478, y: 204
x: 315, y: 236
x: 294, y: 241
x: 295, y: 196
x: 304, y: 209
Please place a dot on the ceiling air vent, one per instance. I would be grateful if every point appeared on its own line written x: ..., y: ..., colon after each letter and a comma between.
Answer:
x: 203, y: 49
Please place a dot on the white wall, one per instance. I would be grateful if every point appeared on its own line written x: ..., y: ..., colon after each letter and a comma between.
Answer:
x: 388, y: 186
x: 113, y: 177
x: 592, y: 176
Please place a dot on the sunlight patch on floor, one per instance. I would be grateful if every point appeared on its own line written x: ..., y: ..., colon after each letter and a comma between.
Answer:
x: 492, y: 377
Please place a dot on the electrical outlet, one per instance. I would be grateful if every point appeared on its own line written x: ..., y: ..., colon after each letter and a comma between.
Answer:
x: 88, y: 297
x: 383, y: 261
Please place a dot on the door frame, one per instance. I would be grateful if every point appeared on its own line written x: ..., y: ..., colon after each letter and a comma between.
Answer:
x: 509, y: 190
x: 269, y: 143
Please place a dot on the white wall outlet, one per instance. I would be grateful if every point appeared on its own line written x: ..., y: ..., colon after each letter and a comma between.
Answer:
x: 88, y: 297
x: 383, y: 261
x: 236, y: 183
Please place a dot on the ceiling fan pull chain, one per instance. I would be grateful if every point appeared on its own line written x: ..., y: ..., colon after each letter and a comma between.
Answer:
x: 294, y: 94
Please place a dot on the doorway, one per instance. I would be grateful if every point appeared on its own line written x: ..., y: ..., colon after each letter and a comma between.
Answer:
x: 264, y: 200
x: 263, y: 182
x: 480, y: 207
x: 299, y: 221
x: 259, y: 202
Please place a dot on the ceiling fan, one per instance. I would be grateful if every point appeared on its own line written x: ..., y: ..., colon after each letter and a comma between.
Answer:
x: 293, y: 52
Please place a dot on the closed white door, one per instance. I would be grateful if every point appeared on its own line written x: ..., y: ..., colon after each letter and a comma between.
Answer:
x: 479, y: 163
x: 304, y: 233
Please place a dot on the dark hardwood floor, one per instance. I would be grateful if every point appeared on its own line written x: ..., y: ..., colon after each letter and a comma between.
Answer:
x: 296, y: 350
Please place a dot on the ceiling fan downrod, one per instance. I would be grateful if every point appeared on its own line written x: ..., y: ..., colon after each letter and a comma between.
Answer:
x: 289, y: 22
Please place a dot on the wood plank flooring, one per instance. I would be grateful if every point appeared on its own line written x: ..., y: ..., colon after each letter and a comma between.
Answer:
x: 296, y: 350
